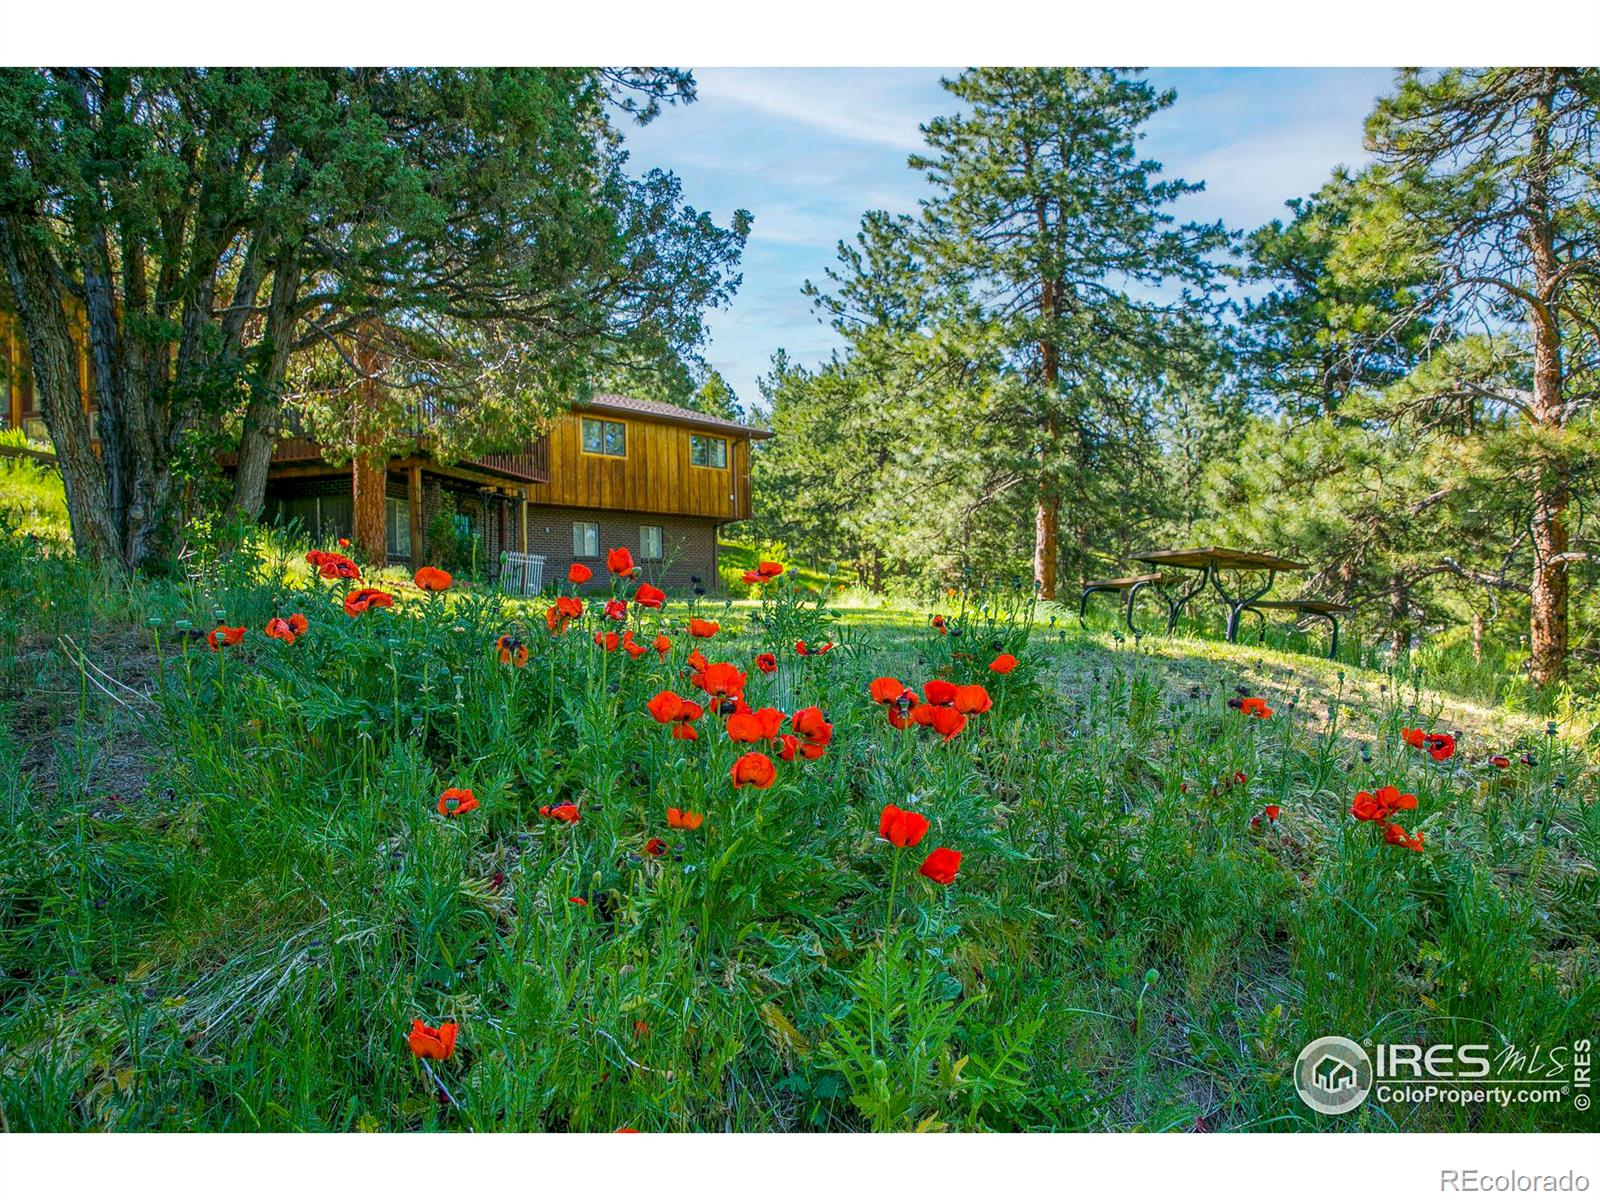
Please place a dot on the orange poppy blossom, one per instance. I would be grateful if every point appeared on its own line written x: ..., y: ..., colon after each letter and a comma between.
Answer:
x: 941, y: 866
x: 1440, y: 746
x: 720, y: 680
x: 334, y: 566
x: 562, y: 613
x: 804, y: 651
x: 360, y: 600
x: 225, y: 635
x: 286, y: 629
x: 432, y: 579
x: 939, y: 622
x: 606, y: 640
x: 648, y: 596
x: 769, y: 570
x: 759, y: 726
x: 512, y: 651
x: 788, y: 746
x: 1251, y: 706
x: 662, y: 644
x: 426, y: 1041
x: 752, y: 577
x: 344, y: 543
x: 565, y: 812
x: 616, y: 610
x: 634, y: 649
x: 767, y: 664
x: 1382, y: 804
x: 456, y: 802
x: 972, y: 698
x: 682, y: 819
x: 669, y: 708
x: 1395, y: 835
x: 620, y: 562
x: 755, y: 769
x: 578, y: 573
x: 703, y: 629
x: 901, y: 827
x: 1004, y: 664
x: 814, y: 728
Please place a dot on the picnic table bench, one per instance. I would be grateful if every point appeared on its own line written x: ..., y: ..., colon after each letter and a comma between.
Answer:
x: 1126, y: 588
x: 1327, y: 610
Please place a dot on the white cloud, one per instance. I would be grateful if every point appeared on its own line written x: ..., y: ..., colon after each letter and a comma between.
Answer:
x: 844, y: 103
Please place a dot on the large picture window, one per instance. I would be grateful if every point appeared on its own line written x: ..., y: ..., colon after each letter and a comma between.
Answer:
x: 605, y: 437
x: 585, y: 539
x: 708, y: 451
x: 399, y: 522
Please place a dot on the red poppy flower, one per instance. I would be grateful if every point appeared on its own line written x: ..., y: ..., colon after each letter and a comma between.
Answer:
x: 578, y: 573
x: 759, y: 726
x: 811, y: 725
x: 1394, y: 835
x: 721, y: 679
x: 317, y: 557
x: 680, y: 819
x: 428, y: 1042
x: 620, y: 562
x: 655, y: 847
x: 752, y: 577
x: 1254, y: 706
x: 1413, y: 738
x: 344, y: 543
x: 337, y: 566
x: 662, y: 644
x: 646, y: 596
x: 1272, y: 811
x: 1004, y: 664
x: 578, y: 900
x: 769, y: 570
x: 1441, y: 746
x: 696, y: 661
x: 512, y: 651
x: 358, y: 601
x: 1501, y: 761
x: 947, y: 722
x: 800, y: 649
x: 665, y: 706
x: 1382, y: 804
x: 939, y: 691
x: 281, y: 629
x: 885, y: 689
x: 767, y: 664
x: 938, y: 622
x: 941, y: 866
x: 566, y: 812
x: 456, y: 802
x: 226, y: 635
x: 616, y: 610
x: 755, y: 769
x: 788, y: 746
x: 973, y: 698
x: 432, y: 579
x: 703, y: 629
x: 606, y: 640
x: 901, y: 826
x: 635, y: 651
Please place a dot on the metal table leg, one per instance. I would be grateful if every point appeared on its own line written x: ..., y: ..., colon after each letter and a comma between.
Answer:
x: 1175, y: 607
x: 1236, y: 605
x: 1083, y: 602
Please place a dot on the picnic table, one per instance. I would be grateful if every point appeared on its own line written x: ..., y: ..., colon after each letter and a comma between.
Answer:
x: 1209, y: 564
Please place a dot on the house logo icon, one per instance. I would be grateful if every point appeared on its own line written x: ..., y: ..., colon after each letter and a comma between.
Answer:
x: 1333, y: 1075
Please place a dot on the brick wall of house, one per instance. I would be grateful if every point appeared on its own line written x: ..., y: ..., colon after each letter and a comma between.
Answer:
x: 689, y: 544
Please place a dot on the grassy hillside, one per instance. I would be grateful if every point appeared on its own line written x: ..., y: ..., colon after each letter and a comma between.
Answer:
x: 227, y: 887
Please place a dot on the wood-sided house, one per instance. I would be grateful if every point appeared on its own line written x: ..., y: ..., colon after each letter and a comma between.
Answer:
x: 615, y: 471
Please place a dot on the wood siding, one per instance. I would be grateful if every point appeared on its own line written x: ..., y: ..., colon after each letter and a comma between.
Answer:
x: 654, y: 477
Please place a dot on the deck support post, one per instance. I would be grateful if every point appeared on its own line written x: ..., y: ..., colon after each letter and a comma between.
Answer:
x: 419, y: 555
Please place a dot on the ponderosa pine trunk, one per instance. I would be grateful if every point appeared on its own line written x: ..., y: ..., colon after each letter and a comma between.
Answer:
x: 368, y: 474
x: 1548, y: 595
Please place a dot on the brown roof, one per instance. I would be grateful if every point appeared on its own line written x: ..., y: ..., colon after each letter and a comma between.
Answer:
x: 611, y: 402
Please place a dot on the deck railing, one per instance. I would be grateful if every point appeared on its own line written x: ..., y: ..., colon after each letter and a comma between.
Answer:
x: 521, y: 574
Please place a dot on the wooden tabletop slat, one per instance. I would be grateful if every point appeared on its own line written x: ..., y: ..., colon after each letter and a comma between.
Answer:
x: 1123, y: 583
x: 1219, y: 557
x: 1311, y: 606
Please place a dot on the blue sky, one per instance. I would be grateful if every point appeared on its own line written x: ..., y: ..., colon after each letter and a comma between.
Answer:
x: 807, y: 151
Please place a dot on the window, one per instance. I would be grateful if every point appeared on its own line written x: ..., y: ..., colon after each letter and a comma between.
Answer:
x: 397, y: 516
x: 650, y: 543
x: 708, y: 451
x: 585, y: 539
x: 605, y: 437
x: 35, y: 428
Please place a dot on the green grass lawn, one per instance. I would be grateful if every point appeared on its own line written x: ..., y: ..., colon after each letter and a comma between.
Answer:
x: 227, y: 889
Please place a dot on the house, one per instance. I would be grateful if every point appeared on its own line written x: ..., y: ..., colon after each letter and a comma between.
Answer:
x: 614, y: 471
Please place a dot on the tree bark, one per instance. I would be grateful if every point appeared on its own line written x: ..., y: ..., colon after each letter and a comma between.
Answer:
x: 1548, y: 632
x: 1399, y: 616
x: 368, y: 477
x: 38, y: 296
x: 260, y: 433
